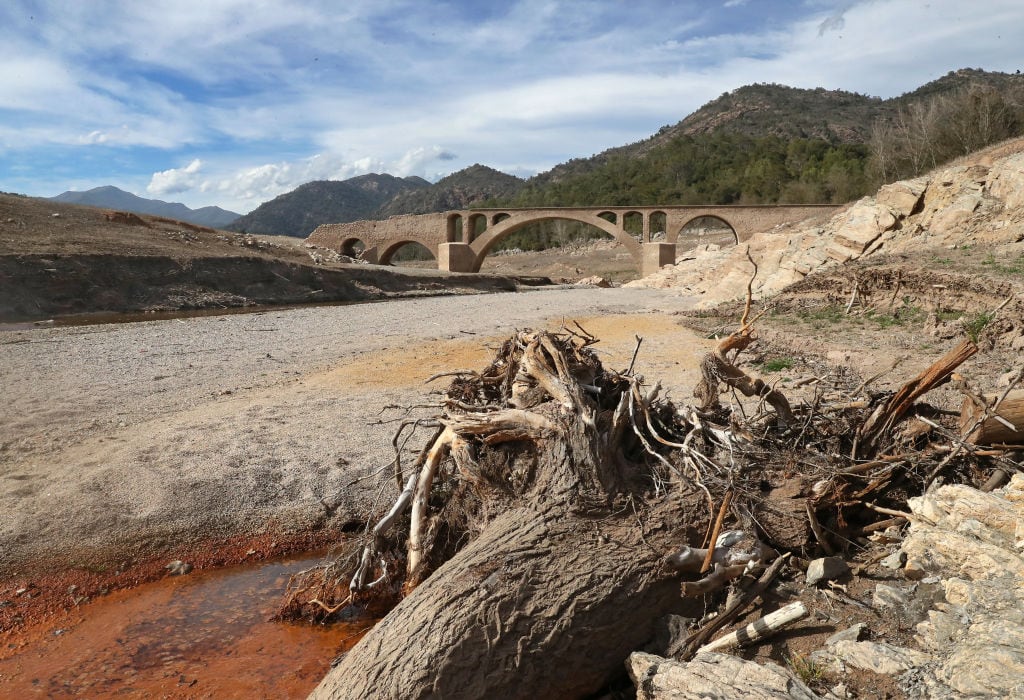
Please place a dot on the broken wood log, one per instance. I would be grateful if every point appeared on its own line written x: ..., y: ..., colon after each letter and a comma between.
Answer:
x: 995, y: 429
x: 880, y: 423
x: 513, y: 543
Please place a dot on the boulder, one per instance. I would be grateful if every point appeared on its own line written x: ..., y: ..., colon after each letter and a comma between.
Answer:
x: 595, y: 281
x: 712, y: 675
x: 863, y: 223
x: 903, y: 197
x: 826, y: 569
x: 886, y: 659
x: 1006, y: 181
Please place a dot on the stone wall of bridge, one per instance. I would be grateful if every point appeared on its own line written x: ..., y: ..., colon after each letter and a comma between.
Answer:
x: 453, y: 239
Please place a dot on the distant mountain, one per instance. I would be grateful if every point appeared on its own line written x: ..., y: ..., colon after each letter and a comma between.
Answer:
x: 761, y: 144
x: 457, y: 191
x: 298, y: 212
x: 770, y: 110
x: 373, y: 196
x: 110, y: 197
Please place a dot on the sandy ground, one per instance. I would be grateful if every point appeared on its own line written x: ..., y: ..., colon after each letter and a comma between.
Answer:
x: 131, y: 440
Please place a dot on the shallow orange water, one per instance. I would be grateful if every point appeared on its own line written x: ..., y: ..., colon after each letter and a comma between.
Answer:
x: 204, y: 635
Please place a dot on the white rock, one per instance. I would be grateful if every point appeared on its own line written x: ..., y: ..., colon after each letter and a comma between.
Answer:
x: 826, y: 569
x: 712, y: 675
x: 883, y: 658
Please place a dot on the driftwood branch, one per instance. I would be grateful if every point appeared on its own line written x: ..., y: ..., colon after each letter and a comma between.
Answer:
x: 759, y: 629
x: 733, y: 611
x: 717, y: 579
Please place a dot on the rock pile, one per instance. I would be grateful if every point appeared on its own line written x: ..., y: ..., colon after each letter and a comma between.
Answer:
x: 963, y: 560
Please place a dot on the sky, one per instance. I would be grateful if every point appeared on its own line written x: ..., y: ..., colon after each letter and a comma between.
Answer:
x: 233, y: 102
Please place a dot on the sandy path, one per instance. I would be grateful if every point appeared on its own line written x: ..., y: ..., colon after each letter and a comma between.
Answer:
x: 141, y: 438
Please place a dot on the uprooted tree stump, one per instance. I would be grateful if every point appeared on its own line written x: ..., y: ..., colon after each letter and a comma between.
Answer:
x: 541, y: 533
x: 563, y: 573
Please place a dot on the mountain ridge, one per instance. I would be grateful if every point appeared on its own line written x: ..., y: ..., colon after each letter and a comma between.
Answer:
x: 110, y: 197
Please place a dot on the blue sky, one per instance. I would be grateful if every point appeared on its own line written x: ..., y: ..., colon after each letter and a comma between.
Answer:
x: 233, y: 102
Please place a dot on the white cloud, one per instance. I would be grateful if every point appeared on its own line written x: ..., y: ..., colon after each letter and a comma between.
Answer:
x: 244, y: 187
x: 175, y: 180
x: 252, y: 90
x: 415, y: 160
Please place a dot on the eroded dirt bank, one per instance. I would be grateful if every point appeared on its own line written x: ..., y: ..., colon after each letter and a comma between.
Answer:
x: 58, y: 259
x: 35, y: 287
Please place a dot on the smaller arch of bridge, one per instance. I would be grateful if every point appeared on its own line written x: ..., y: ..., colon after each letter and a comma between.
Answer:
x: 470, y: 226
x: 634, y: 219
x: 657, y: 222
x: 494, y: 235
x: 676, y: 237
x: 393, y: 247
x: 453, y: 224
x: 499, y: 217
x: 352, y: 246
x: 609, y: 216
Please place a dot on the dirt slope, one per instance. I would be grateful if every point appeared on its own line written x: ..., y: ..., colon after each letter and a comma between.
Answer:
x: 58, y: 259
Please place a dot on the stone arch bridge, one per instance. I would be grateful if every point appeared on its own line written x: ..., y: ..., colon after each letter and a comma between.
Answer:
x: 460, y: 240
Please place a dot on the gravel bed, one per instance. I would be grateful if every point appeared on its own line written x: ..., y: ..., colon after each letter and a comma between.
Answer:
x: 142, y: 437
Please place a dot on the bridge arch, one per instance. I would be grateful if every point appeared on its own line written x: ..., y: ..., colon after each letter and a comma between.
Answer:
x: 494, y: 235
x: 453, y: 226
x: 393, y: 247
x: 679, y: 238
x: 470, y: 224
x: 657, y: 223
x: 633, y: 224
x: 353, y: 247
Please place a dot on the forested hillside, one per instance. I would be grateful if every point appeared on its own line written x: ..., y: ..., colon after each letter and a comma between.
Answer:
x: 721, y: 168
x: 758, y: 144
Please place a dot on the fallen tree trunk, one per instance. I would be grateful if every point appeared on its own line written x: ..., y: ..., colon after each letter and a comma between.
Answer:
x: 545, y: 603
x: 533, y: 540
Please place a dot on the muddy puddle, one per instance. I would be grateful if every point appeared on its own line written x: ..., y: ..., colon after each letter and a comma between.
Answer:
x: 203, y: 635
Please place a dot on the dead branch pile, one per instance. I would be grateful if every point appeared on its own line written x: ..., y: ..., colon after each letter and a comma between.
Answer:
x: 818, y: 474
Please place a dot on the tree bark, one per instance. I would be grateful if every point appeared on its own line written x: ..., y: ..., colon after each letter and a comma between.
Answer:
x: 545, y: 603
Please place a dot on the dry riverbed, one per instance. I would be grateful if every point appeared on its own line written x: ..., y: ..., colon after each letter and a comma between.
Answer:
x: 212, y: 439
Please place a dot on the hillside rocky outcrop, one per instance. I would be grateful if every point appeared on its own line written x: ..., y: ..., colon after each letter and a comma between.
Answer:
x: 977, y: 201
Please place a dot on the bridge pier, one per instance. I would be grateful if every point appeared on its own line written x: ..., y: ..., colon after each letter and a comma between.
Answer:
x: 455, y: 257
x: 654, y: 255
